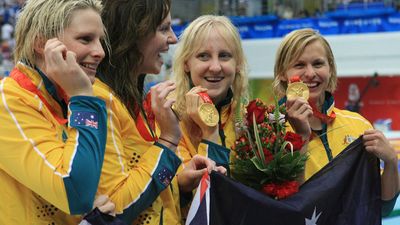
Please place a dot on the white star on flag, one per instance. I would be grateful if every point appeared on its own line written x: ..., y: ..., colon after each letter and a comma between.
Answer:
x: 313, y: 219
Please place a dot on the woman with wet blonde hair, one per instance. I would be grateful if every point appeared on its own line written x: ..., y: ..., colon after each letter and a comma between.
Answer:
x: 53, y: 130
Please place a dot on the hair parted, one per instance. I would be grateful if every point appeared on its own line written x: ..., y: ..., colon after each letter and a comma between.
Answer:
x: 41, y: 20
x: 129, y: 22
x: 291, y: 48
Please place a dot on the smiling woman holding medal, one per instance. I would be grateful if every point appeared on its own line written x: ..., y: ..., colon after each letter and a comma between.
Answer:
x: 210, y: 71
x: 140, y: 166
x: 305, y: 63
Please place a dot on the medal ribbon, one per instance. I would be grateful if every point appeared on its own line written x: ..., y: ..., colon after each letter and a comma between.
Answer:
x: 150, y: 120
x: 206, y: 98
x: 28, y: 85
x: 294, y: 79
x: 327, y: 119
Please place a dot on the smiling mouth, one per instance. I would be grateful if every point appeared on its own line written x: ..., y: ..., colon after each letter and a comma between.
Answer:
x: 213, y: 79
x: 89, y: 66
x: 312, y: 85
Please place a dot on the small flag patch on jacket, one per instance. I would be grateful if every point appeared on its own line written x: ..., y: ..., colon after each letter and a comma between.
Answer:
x: 88, y: 119
x: 165, y: 176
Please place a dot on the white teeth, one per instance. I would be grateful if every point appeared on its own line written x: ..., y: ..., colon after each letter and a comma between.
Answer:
x: 311, y: 85
x: 89, y: 66
x: 213, y: 79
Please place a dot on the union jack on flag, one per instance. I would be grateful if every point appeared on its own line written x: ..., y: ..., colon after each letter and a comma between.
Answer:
x: 91, y: 123
x: 87, y: 119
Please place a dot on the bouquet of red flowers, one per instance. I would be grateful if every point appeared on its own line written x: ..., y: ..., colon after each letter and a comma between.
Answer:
x: 268, y: 157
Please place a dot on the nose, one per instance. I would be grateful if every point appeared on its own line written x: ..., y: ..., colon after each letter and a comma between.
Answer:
x: 215, y: 66
x: 172, y: 39
x: 309, y: 72
x: 98, y: 51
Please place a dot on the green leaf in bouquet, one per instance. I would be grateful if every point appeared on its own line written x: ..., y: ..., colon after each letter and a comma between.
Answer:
x: 259, y: 149
x: 245, y: 172
x: 257, y: 163
x: 292, y: 165
x: 270, y: 159
x: 266, y: 180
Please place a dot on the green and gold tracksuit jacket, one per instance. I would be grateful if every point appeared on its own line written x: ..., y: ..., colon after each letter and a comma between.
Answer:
x: 138, y: 173
x: 48, y: 169
x: 219, y: 152
x: 334, y: 137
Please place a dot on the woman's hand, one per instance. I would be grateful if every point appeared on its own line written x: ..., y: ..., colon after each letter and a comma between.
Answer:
x: 104, y: 204
x: 62, y: 68
x: 189, y: 178
x: 299, y: 112
x: 376, y: 143
x: 193, y: 101
x: 166, y: 119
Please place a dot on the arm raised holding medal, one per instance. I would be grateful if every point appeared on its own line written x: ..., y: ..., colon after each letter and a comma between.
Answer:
x: 307, y: 56
x: 141, y: 158
x: 210, y: 71
x: 166, y: 120
x: 298, y: 109
x: 203, y: 112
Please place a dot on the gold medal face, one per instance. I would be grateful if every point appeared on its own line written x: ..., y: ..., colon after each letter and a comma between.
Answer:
x: 297, y: 89
x: 208, y: 114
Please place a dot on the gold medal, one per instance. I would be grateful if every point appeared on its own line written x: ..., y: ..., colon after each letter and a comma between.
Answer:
x: 177, y: 109
x: 208, y: 114
x: 297, y: 89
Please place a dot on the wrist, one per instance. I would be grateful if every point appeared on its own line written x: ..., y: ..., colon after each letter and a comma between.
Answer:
x: 391, y: 163
x: 170, y: 143
x: 210, y: 134
x: 85, y: 92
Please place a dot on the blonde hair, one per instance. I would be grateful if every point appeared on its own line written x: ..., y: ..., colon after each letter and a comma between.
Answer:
x: 290, y: 50
x: 41, y: 20
x: 191, y: 41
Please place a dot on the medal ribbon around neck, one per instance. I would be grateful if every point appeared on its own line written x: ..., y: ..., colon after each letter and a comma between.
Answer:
x: 147, y: 132
x: 207, y: 111
x: 28, y: 85
x: 327, y: 119
x: 205, y: 97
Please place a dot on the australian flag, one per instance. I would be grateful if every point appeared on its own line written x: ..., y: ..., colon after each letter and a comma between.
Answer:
x: 88, y: 119
x: 345, y: 192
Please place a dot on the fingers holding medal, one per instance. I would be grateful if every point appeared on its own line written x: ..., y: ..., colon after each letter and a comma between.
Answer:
x: 200, y: 104
x: 298, y: 109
